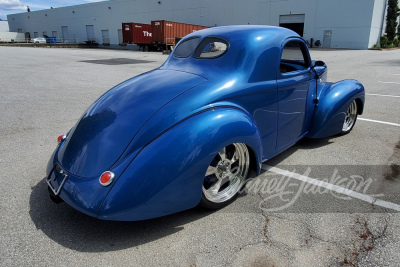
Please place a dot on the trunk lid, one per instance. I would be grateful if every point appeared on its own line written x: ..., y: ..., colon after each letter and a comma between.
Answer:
x: 104, y: 131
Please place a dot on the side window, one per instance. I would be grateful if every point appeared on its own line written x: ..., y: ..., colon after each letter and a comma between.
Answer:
x: 211, y: 47
x: 293, y: 57
x: 186, y: 48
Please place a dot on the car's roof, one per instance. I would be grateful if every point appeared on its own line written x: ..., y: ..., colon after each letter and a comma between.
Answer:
x: 246, y: 31
x: 254, y: 52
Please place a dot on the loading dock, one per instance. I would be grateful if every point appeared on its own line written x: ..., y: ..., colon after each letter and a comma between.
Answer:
x: 293, y: 22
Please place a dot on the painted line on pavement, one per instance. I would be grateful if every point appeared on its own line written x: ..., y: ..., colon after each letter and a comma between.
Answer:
x: 383, y: 122
x: 388, y: 82
x: 385, y: 95
x: 336, y: 188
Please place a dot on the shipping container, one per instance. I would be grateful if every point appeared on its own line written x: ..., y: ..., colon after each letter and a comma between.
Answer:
x: 164, y: 32
x: 11, y: 37
x: 136, y: 33
x: 159, y: 35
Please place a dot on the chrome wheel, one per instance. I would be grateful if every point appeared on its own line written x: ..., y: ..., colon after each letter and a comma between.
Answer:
x: 351, y: 117
x: 225, y: 175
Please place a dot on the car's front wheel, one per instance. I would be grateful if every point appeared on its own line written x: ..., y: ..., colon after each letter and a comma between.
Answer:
x: 225, y: 176
x: 350, y: 119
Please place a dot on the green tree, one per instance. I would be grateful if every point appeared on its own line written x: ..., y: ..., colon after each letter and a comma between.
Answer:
x: 391, y: 19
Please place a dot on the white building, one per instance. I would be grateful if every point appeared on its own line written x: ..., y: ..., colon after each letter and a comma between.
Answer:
x: 337, y: 24
x: 4, y: 26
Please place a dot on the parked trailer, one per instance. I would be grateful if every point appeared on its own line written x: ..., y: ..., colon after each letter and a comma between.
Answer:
x: 12, y: 37
x: 164, y: 32
x: 137, y: 33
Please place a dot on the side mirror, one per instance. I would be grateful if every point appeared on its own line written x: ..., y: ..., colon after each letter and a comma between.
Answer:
x: 319, y: 68
x: 319, y: 63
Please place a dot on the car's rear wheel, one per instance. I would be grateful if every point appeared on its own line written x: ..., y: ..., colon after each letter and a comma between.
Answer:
x: 225, y: 176
x: 350, y: 119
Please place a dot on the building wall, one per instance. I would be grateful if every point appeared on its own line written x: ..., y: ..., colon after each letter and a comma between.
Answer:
x: 378, y: 22
x: 354, y: 24
x: 350, y: 22
x: 4, y: 26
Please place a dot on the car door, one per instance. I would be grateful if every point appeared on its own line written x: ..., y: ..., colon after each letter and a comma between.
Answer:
x: 295, y: 81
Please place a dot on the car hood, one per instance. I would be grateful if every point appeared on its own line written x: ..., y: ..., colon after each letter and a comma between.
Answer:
x: 106, y: 129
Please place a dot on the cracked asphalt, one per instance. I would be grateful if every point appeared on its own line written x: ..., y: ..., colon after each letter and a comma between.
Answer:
x: 273, y: 223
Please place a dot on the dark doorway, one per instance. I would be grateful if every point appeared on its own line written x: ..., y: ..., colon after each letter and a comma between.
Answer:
x: 294, y: 22
x: 296, y: 27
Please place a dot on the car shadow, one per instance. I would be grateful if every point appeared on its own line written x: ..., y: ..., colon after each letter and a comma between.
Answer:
x: 305, y: 143
x: 80, y: 232
x: 77, y: 231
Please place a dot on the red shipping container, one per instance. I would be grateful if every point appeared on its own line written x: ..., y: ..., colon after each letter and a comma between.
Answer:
x: 165, y: 31
x: 136, y: 33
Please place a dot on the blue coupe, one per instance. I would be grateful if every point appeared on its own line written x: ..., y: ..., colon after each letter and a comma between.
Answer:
x: 189, y: 132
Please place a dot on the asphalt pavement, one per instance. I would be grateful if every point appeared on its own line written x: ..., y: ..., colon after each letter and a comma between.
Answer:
x: 296, y: 213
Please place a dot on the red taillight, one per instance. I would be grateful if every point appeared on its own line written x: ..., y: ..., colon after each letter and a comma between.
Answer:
x: 61, y: 138
x: 106, y: 178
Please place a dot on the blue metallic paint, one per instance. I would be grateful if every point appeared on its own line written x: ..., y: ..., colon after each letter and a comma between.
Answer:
x: 161, y: 179
x: 159, y: 131
x: 333, y: 101
x: 103, y: 132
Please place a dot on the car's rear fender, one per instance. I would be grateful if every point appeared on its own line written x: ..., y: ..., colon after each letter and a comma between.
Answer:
x: 333, y: 101
x: 84, y: 194
x: 167, y: 175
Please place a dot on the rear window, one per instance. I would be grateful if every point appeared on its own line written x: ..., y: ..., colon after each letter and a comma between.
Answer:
x: 211, y: 47
x: 186, y: 48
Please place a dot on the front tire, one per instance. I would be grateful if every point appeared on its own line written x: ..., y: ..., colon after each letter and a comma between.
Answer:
x: 225, y: 176
x: 350, y: 119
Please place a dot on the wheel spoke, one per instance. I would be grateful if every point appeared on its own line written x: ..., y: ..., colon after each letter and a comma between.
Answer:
x: 235, y: 157
x: 222, y: 153
x: 211, y: 170
x: 215, y: 188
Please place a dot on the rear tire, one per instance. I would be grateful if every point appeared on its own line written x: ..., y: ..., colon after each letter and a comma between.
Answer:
x: 225, y: 176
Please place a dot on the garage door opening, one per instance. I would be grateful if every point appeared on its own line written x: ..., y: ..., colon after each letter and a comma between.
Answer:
x: 293, y: 22
x: 106, y: 37
x: 65, y: 34
x: 90, y: 34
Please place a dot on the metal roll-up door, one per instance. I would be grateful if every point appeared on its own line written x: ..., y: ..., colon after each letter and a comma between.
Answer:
x: 293, y: 22
x: 285, y: 19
